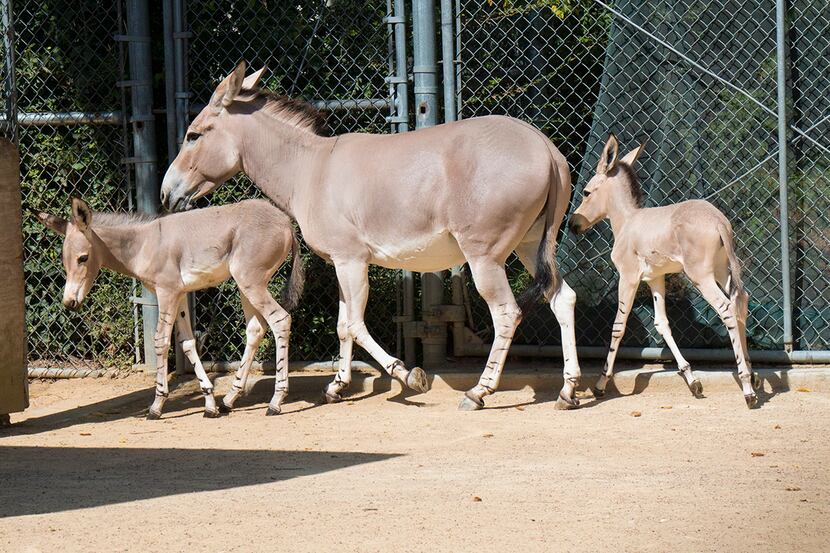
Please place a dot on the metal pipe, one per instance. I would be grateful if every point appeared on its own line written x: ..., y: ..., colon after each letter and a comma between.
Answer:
x: 144, y: 143
x: 66, y: 118
x: 457, y: 60
x: 448, y: 60
x: 426, y: 115
x: 169, y: 80
x: 7, y: 25
x: 781, y: 56
x: 181, y: 94
x: 661, y: 354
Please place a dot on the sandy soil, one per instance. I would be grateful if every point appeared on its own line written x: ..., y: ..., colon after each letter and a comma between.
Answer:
x: 83, y: 471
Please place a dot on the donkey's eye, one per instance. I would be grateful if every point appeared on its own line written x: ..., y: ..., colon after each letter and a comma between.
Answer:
x: 83, y: 258
x: 193, y: 136
x: 586, y: 193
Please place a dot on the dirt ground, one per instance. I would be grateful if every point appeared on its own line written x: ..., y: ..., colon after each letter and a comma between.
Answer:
x: 652, y: 471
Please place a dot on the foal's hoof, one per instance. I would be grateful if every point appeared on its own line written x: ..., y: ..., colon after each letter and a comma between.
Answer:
x: 469, y: 404
x: 332, y: 398
x: 153, y: 416
x: 598, y: 393
x: 696, y: 388
x: 565, y: 403
x: 755, y: 381
x: 273, y: 411
x: 751, y: 400
x: 212, y: 414
x: 224, y: 408
x: 417, y: 380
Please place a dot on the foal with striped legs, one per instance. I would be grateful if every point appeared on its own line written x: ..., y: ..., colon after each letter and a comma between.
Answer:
x: 184, y: 252
x: 692, y: 237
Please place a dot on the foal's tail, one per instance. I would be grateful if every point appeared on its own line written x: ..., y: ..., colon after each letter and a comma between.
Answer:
x: 293, y: 289
x: 546, y: 280
x: 737, y: 292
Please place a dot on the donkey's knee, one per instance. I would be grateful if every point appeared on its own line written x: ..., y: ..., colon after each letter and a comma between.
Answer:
x: 254, y: 332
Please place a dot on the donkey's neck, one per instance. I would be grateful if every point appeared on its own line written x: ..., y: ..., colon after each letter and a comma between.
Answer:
x: 623, y: 206
x: 283, y: 161
x: 121, y: 247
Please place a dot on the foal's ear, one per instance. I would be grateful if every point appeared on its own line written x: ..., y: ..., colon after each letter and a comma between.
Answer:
x: 611, y: 147
x: 53, y: 223
x: 252, y: 80
x: 81, y: 215
x: 632, y: 156
x: 229, y: 88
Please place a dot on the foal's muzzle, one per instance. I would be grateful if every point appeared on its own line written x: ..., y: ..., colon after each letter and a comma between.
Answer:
x: 578, y: 224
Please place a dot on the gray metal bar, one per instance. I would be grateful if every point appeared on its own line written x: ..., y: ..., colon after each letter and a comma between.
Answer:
x: 784, y: 216
x: 457, y: 60
x: 169, y: 79
x: 448, y: 60
x: 7, y: 24
x: 662, y: 354
x: 426, y: 115
x: 182, y: 95
x: 144, y: 144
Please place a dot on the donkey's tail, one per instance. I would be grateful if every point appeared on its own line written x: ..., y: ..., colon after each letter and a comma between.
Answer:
x: 293, y: 289
x: 546, y: 280
x: 737, y: 292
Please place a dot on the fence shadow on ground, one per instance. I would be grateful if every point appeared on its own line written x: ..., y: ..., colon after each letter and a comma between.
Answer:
x: 40, y: 480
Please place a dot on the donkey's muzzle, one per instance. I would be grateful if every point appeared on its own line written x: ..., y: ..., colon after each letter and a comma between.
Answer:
x: 72, y: 304
x: 578, y: 224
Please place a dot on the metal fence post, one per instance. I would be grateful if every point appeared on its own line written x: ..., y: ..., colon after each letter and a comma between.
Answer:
x: 781, y: 55
x: 434, y: 337
x: 144, y: 144
x: 7, y: 28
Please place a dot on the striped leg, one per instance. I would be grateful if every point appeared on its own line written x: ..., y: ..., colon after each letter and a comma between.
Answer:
x: 734, y: 325
x: 344, y: 372
x: 661, y: 323
x: 185, y: 337
x: 254, y: 332
x: 626, y: 292
x: 167, y: 303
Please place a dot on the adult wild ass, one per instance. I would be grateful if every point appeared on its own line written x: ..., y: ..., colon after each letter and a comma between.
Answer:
x: 692, y: 237
x: 473, y: 190
x: 184, y: 252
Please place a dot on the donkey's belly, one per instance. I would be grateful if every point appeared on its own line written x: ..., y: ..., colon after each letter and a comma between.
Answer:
x: 655, y: 264
x: 196, y: 277
x: 423, y: 254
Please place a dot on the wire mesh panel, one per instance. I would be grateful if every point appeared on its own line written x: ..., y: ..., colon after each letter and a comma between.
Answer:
x: 324, y: 52
x: 698, y: 81
x: 67, y: 66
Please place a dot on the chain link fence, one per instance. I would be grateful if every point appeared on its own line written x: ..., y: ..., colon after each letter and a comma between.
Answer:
x: 698, y: 81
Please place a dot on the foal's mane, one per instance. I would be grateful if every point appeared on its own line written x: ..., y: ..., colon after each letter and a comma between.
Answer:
x: 293, y: 111
x: 633, y: 182
x: 111, y: 219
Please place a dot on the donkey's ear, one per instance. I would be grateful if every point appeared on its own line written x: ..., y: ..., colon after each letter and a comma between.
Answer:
x: 252, y: 80
x: 53, y: 223
x: 632, y: 156
x: 81, y: 214
x: 229, y: 88
x: 608, y: 159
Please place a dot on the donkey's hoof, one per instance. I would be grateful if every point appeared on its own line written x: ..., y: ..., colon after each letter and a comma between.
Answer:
x: 697, y: 388
x: 332, y: 398
x: 153, y: 415
x: 469, y: 404
x: 417, y: 380
x: 751, y: 400
x: 598, y: 393
x: 273, y: 411
x: 224, y: 408
x: 212, y: 414
x: 565, y: 404
x: 755, y: 381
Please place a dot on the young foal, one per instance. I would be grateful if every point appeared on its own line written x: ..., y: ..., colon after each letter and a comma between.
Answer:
x: 649, y: 243
x: 184, y: 252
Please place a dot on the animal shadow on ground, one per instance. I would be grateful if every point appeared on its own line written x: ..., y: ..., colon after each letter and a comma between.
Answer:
x: 41, y: 480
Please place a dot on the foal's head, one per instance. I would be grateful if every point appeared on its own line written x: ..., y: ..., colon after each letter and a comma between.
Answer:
x: 81, y: 260
x: 614, y: 183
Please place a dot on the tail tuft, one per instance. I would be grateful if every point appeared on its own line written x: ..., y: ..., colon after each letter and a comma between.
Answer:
x: 545, y: 281
x: 293, y: 290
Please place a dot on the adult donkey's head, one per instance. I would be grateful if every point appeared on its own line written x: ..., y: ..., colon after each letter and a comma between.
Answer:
x: 211, y: 153
x: 614, y: 186
x: 81, y: 259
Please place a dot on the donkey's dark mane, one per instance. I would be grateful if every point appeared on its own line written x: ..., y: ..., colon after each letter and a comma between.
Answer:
x: 291, y: 110
x: 633, y: 183
x: 111, y: 219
